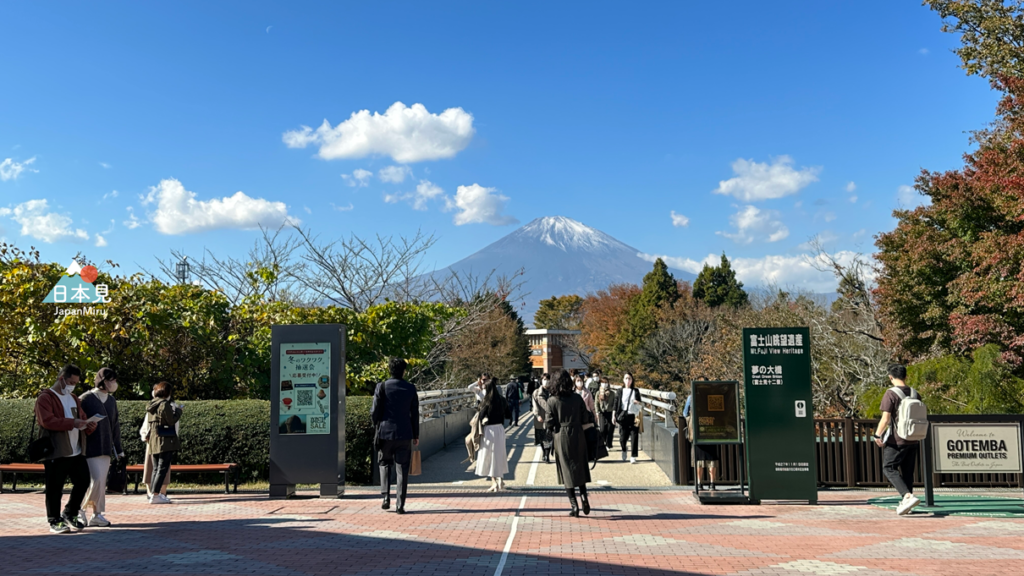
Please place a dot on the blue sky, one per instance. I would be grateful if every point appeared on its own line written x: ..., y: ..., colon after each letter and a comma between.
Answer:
x: 748, y: 121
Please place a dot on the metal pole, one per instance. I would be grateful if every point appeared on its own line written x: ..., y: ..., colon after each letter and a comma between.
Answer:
x: 929, y: 488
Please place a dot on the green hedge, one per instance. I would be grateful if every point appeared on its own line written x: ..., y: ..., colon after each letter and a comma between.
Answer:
x: 212, y: 431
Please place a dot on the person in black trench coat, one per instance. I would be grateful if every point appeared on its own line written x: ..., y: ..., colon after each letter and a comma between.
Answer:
x: 567, y: 415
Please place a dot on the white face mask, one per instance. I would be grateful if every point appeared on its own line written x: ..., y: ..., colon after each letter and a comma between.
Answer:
x: 604, y: 384
x: 579, y: 384
x: 111, y: 387
x: 67, y: 387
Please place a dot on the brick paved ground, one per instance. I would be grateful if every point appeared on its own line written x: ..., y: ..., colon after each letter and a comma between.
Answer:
x: 657, y: 532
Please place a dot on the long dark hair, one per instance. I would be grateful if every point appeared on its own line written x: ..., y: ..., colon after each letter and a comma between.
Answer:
x: 491, y: 395
x: 564, y: 385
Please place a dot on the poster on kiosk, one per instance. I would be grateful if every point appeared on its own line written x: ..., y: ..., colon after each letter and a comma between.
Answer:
x: 779, y: 414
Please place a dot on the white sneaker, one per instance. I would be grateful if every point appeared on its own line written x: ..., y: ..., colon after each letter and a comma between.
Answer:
x: 908, y: 504
x: 159, y: 499
x: 99, y: 520
x: 632, y: 460
x: 83, y: 516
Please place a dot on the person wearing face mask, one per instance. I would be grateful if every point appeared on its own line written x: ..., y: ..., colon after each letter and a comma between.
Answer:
x: 584, y: 392
x: 607, y: 400
x: 102, y: 444
x: 540, y: 411
x: 626, y: 414
x: 59, y: 413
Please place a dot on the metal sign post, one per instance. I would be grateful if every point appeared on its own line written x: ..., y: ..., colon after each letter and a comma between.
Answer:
x: 779, y: 414
x: 307, y: 408
x: 715, y: 409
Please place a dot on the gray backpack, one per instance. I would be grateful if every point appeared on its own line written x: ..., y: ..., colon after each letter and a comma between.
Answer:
x: 911, y: 416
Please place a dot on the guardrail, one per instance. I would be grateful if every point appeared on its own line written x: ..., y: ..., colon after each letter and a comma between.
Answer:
x: 436, y: 403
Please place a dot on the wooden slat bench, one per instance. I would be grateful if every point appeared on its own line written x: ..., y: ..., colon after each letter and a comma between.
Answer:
x: 230, y: 472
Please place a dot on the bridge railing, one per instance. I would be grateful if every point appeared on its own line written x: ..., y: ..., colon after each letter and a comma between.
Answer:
x: 436, y: 403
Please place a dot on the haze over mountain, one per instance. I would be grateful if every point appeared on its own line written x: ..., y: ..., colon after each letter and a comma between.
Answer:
x: 560, y: 256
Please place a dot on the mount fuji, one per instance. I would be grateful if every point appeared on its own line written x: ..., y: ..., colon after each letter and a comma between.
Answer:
x: 560, y: 256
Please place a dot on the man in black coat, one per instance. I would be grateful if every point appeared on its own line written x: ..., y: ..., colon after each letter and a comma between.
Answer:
x: 513, y: 391
x: 396, y: 416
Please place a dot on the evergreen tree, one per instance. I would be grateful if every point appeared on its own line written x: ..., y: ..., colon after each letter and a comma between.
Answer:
x: 717, y: 286
x: 659, y: 289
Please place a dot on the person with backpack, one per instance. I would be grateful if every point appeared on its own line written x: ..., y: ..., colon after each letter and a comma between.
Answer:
x: 514, y: 398
x: 903, y: 425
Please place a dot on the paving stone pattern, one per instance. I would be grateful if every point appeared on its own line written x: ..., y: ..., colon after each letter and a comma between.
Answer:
x: 450, y: 533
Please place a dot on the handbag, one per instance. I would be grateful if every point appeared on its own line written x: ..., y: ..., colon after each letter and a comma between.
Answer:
x: 41, y: 448
x: 117, y: 474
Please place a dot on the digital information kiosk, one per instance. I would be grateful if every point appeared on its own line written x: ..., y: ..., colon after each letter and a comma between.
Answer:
x: 307, y: 408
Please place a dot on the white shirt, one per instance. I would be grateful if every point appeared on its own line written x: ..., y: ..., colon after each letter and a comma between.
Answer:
x: 627, y: 398
x: 70, y: 407
x: 478, y: 389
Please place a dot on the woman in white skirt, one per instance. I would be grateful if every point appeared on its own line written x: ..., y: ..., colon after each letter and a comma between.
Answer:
x: 492, y: 461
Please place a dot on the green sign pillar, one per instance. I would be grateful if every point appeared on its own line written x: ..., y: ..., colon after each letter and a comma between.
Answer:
x: 780, y: 414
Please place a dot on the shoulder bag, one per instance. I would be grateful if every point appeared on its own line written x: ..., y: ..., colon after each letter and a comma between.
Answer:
x: 117, y: 474
x: 41, y: 448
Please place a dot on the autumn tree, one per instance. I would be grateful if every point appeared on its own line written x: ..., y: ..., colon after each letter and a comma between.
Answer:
x: 717, y: 286
x: 604, y: 316
x: 559, y: 313
x: 659, y: 291
x: 991, y: 34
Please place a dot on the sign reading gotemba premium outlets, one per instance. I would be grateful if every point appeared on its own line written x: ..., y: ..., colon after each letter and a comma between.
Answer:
x: 976, y: 447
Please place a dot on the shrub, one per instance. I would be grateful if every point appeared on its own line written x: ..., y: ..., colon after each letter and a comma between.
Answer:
x: 212, y: 431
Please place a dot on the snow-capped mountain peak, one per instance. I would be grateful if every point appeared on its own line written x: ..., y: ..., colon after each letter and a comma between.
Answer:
x: 567, y: 234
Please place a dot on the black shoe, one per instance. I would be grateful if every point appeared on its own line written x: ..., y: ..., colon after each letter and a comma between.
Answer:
x: 59, y: 527
x: 575, y: 510
x: 386, y: 504
x: 400, y: 510
x: 712, y: 486
x: 73, y: 522
x: 586, y: 504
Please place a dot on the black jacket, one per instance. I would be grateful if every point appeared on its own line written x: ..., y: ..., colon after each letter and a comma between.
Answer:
x: 625, y: 391
x: 396, y: 407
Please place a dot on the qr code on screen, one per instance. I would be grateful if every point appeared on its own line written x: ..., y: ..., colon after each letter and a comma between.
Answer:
x: 716, y: 403
x: 304, y: 398
x: 316, y: 423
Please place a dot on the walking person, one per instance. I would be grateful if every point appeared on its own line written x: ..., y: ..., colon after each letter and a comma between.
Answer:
x: 584, y: 393
x: 899, y: 455
x: 59, y: 413
x: 704, y: 455
x: 626, y: 412
x: 102, y: 444
x: 514, y: 398
x: 540, y: 413
x: 567, y: 417
x: 164, y: 443
x: 606, y: 403
x: 396, y: 415
x: 148, y: 465
x: 492, y: 460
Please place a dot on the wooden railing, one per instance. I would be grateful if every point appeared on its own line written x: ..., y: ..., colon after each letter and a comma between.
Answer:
x: 846, y: 456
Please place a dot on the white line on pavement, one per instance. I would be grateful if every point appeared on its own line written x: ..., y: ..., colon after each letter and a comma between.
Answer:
x: 511, y: 537
x: 533, y: 467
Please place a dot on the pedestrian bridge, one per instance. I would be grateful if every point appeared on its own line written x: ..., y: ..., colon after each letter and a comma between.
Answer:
x: 444, y: 424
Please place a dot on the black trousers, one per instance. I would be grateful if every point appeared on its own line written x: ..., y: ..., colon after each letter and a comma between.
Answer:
x: 628, y: 430
x: 515, y: 408
x: 161, y: 468
x: 607, y: 427
x: 395, y: 454
x: 58, y: 471
x: 898, y: 463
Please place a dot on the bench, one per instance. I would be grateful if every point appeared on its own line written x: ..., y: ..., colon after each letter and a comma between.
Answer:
x: 230, y: 471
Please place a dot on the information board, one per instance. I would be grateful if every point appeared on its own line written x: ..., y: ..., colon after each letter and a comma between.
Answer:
x: 305, y: 388
x: 716, y: 412
x: 971, y: 447
x: 779, y: 414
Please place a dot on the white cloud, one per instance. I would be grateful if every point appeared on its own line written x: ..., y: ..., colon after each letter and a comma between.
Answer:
x: 359, y: 178
x: 477, y: 204
x: 908, y: 198
x: 754, y: 224
x: 100, y: 241
x: 679, y: 221
x: 755, y: 181
x: 853, y: 199
x: 106, y: 167
x: 306, y: 208
x: 111, y: 194
x: 824, y: 237
x: 348, y: 208
x: 829, y: 216
x: 851, y: 187
x: 394, y: 174
x: 406, y: 134
x: 178, y: 211
x: 10, y: 170
x: 787, y: 272
x: 38, y: 222
x: 425, y: 191
x: 923, y: 51
x: 132, y: 222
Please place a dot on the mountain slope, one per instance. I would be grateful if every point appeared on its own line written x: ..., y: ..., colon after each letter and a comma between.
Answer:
x: 560, y: 256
